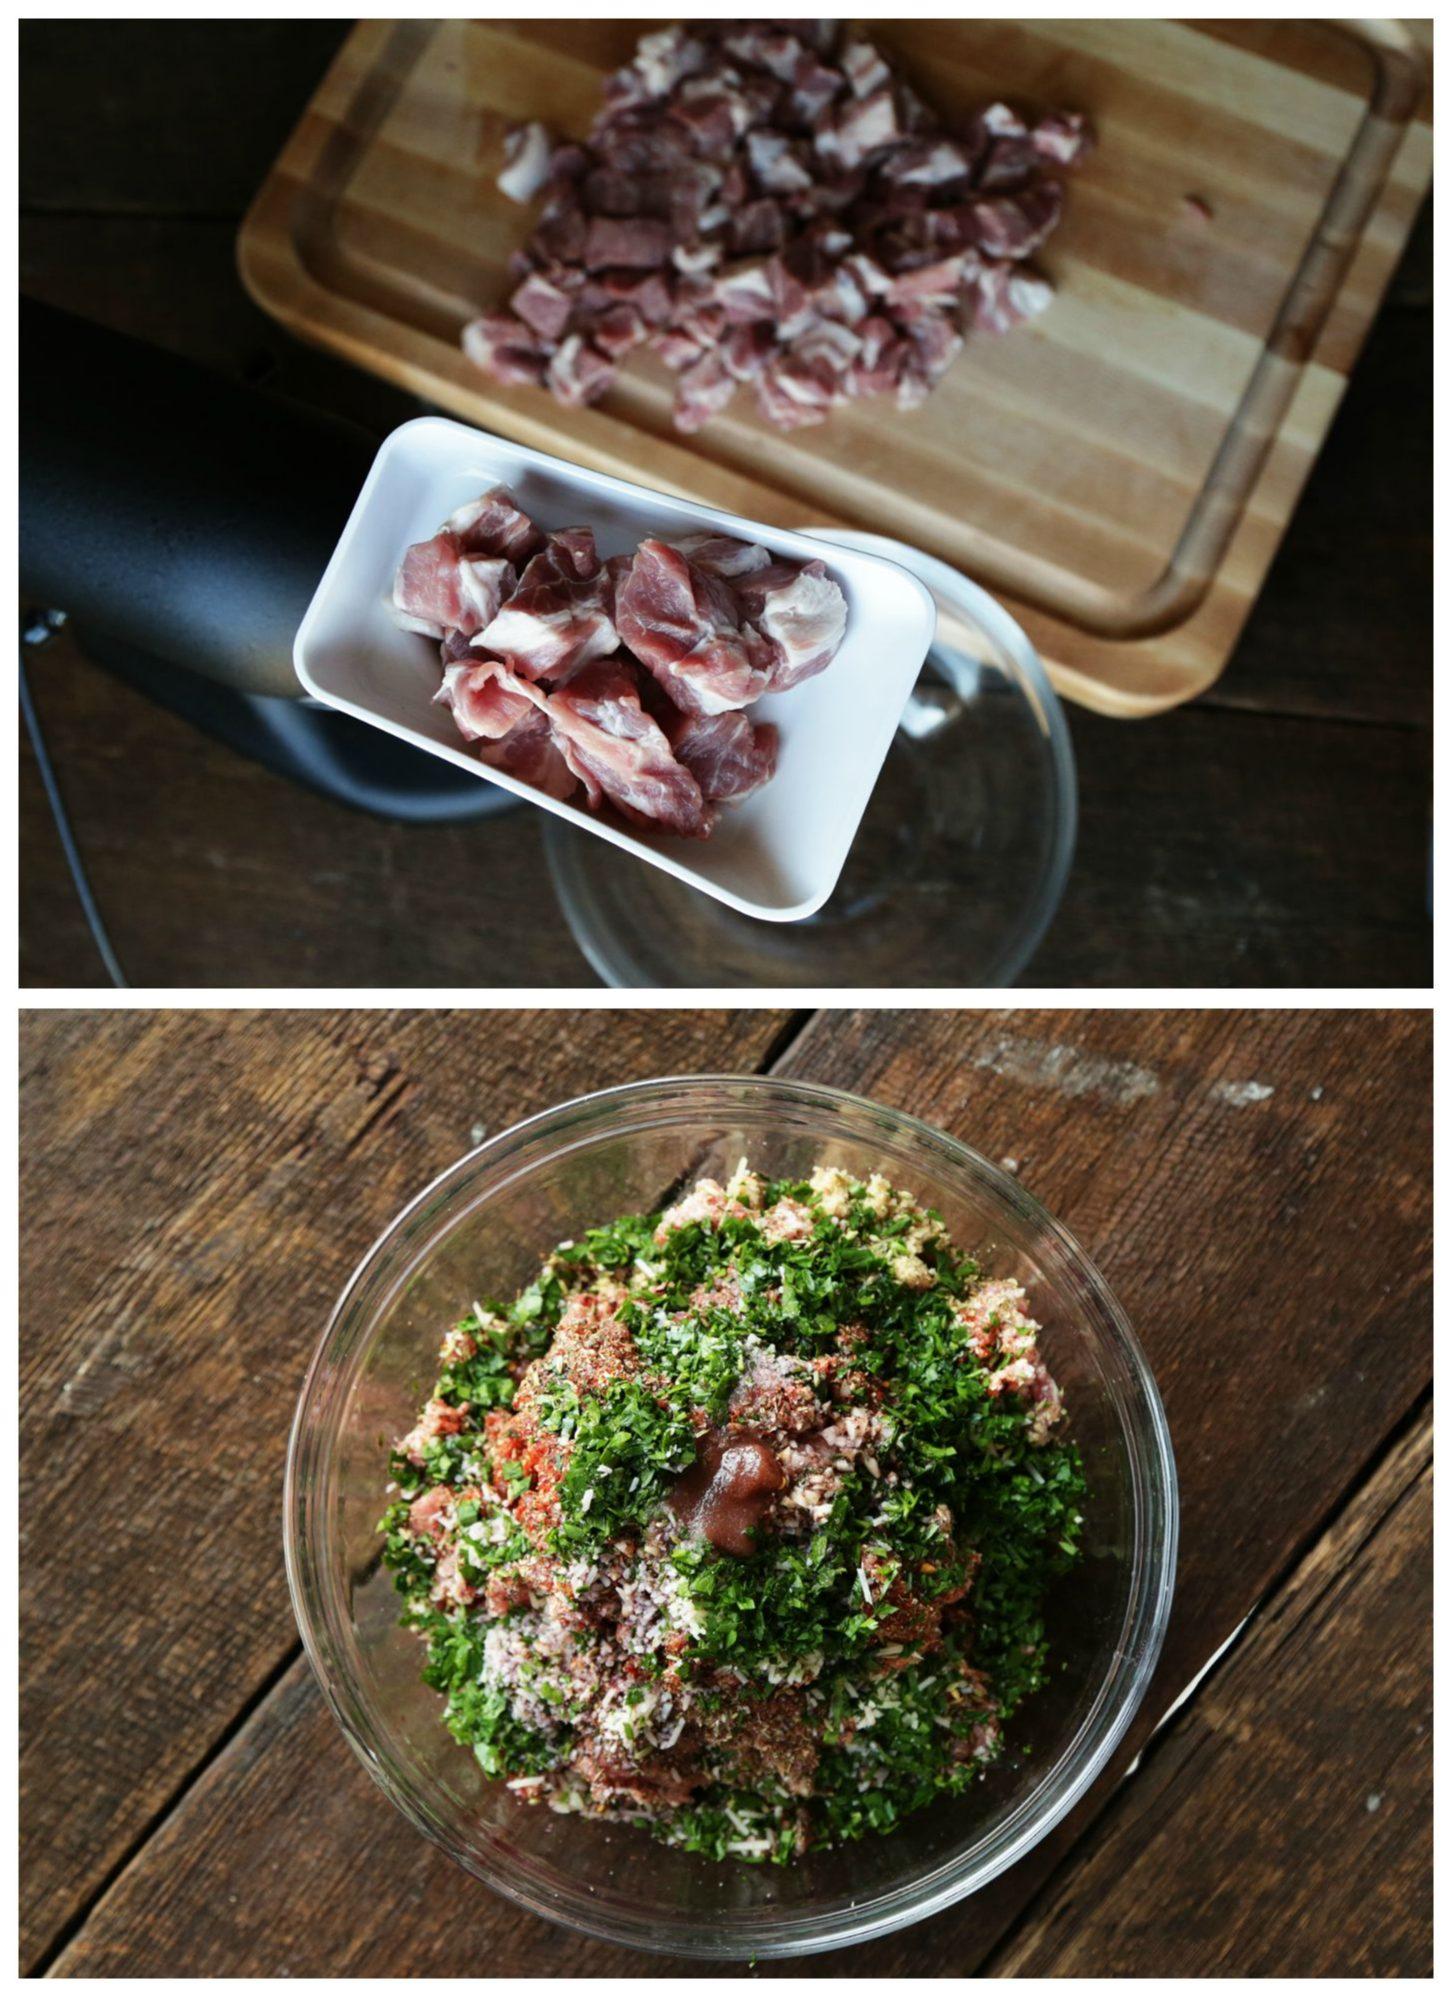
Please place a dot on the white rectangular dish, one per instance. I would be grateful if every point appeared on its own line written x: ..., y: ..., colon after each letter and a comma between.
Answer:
x: 779, y: 853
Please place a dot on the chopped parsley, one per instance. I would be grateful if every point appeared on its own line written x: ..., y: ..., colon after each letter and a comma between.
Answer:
x: 601, y: 1650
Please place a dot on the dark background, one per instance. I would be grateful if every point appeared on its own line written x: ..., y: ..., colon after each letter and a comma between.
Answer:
x: 1273, y: 832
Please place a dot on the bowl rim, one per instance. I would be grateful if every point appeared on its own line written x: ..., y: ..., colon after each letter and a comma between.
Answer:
x: 1081, y: 1761
x: 572, y: 863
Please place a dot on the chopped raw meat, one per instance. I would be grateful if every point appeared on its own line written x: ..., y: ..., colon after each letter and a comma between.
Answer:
x: 527, y: 162
x: 778, y: 163
x: 727, y: 754
x: 746, y: 292
x: 931, y: 285
x: 557, y: 618
x: 746, y: 184
x: 485, y: 698
x: 859, y: 128
x: 1005, y: 296
x: 572, y: 551
x: 724, y: 555
x: 619, y: 329
x: 442, y: 588
x: 796, y: 389
x: 426, y: 596
x: 684, y: 625
x: 1063, y: 137
x: 578, y: 373
x: 1015, y: 225
x: 929, y: 163
x: 506, y: 349
x: 494, y: 525
x: 623, y: 680
x: 705, y: 389
x: 864, y: 67
x: 801, y: 611
x: 531, y: 753
x: 485, y: 582
x: 615, y: 747
x: 545, y: 308
x: 633, y: 242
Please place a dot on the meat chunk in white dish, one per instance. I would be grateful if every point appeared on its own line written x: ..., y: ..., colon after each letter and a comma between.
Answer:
x: 729, y: 755
x: 619, y: 684
x: 458, y: 579
x: 684, y: 624
x: 615, y: 747
x: 558, y: 616
x: 441, y: 588
x: 531, y: 752
x: 485, y: 697
x: 801, y: 611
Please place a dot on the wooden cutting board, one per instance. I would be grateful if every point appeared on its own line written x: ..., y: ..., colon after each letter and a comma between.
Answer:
x: 1119, y: 472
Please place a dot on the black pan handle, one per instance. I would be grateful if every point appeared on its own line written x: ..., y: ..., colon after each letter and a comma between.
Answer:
x: 181, y: 513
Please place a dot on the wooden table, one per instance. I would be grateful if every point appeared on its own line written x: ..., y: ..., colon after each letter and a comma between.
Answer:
x: 1273, y: 832
x: 196, y: 1187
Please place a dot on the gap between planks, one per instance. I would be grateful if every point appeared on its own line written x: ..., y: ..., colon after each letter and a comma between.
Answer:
x: 387, y: 1099
x: 67, y: 1932
x: 1210, y: 1674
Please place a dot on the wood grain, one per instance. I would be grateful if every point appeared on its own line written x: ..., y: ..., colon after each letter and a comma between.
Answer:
x: 1288, y: 854
x: 1215, y: 848
x: 1122, y: 472
x: 195, y: 1188
x: 1284, y: 1825
x: 214, y: 872
x: 1237, y: 1230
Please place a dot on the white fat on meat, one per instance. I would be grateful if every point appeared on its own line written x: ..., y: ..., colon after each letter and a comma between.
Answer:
x: 578, y: 372
x: 485, y: 583
x: 615, y: 747
x: 684, y: 624
x: 723, y: 555
x: 729, y: 755
x: 495, y: 524
x: 531, y: 753
x: 803, y: 612
x: 485, y: 697
x: 527, y: 162
x: 439, y: 588
x: 506, y: 349
x: 558, y: 617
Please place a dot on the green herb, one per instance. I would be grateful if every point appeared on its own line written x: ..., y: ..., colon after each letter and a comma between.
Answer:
x: 954, y: 1513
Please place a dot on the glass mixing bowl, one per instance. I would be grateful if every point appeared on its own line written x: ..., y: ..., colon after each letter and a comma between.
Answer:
x: 482, y: 1228
x: 954, y: 874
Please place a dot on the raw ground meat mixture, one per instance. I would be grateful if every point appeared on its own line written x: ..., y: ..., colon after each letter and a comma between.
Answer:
x: 768, y: 205
x: 620, y: 682
x: 738, y: 1522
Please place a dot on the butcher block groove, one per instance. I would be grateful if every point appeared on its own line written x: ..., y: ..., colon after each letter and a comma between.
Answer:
x: 1120, y: 472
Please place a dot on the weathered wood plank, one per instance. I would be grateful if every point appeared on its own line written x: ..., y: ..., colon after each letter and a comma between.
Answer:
x: 1235, y: 1226
x: 1343, y: 625
x: 1215, y: 849
x: 1284, y: 1827
x: 195, y: 1188
x: 1226, y: 849
x: 211, y: 871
